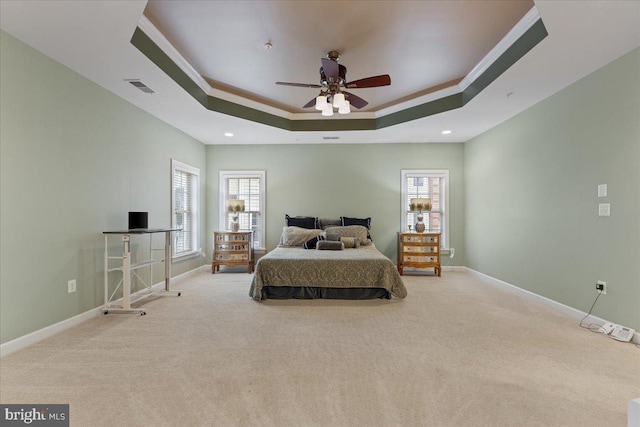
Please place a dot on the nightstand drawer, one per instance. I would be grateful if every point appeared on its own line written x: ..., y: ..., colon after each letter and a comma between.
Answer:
x: 421, y: 249
x: 418, y: 238
x: 420, y: 259
x: 231, y: 257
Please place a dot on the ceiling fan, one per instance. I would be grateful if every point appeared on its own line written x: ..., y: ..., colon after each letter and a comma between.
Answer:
x: 333, y: 81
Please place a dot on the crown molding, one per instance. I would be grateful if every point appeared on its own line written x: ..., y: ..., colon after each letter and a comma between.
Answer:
x: 433, y: 96
x: 527, y: 21
x: 159, y: 39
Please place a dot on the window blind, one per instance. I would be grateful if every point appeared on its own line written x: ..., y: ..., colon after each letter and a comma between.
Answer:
x: 430, y: 187
x: 431, y: 184
x: 185, y: 211
x: 247, y: 186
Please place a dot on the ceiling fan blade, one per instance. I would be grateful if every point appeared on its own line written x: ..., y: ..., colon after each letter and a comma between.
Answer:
x: 299, y: 85
x: 330, y: 68
x: 310, y: 103
x: 375, y: 81
x: 354, y: 100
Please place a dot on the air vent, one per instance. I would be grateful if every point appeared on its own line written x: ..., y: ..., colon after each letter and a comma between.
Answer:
x: 143, y: 87
x: 330, y: 137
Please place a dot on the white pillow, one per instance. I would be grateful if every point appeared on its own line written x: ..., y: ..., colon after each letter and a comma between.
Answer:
x: 296, y: 236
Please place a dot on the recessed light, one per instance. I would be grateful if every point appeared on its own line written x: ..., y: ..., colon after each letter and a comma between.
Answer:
x: 229, y: 134
x: 446, y: 132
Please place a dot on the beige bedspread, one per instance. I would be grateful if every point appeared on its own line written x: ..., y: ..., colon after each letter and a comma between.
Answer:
x: 364, y: 267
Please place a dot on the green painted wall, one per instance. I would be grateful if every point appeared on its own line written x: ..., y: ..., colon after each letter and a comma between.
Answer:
x: 531, y: 195
x: 74, y: 160
x: 333, y: 180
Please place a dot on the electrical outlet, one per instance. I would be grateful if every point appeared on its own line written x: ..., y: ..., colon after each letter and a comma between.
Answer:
x: 71, y: 286
x: 601, y: 287
x: 604, y: 209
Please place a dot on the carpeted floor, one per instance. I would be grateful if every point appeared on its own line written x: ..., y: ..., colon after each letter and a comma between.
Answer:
x: 455, y: 352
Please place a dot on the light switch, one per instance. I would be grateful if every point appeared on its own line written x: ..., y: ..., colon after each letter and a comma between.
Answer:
x: 602, y: 190
x: 604, y: 209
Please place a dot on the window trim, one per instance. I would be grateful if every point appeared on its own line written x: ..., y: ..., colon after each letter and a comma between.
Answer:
x: 195, y: 250
x: 441, y: 173
x: 262, y: 175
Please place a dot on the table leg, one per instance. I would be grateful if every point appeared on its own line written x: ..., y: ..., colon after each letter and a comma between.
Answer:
x: 126, y: 274
x: 167, y: 260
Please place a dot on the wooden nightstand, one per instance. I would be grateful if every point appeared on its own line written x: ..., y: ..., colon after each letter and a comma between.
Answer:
x: 232, y: 248
x: 419, y: 250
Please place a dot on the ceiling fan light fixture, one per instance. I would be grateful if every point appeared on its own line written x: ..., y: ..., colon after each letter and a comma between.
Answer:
x: 328, y: 111
x: 333, y: 78
x: 321, y: 102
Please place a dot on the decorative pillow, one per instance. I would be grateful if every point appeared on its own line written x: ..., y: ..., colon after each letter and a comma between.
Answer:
x: 332, y: 237
x: 296, y: 236
x: 350, y: 242
x: 350, y: 231
x: 310, y: 222
x: 324, y: 223
x: 311, y: 244
x: 329, y: 246
x: 365, y: 222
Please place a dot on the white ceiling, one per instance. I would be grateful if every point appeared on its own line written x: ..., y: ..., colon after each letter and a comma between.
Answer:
x: 93, y: 38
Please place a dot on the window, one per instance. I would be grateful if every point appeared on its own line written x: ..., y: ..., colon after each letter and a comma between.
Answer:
x: 185, y: 182
x: 250, y: 187
x: 432, y: 184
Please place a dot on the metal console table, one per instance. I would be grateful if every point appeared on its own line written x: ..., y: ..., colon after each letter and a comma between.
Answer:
x: 127, y: 269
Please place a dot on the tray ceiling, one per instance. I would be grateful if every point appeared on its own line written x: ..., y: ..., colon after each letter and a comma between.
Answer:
x: 93, y: 38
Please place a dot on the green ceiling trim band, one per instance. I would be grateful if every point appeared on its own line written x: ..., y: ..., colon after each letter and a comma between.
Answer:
x: 517, y: 50
x: 536, y: 33
x: 436, y: 106
x: 232, y: 109
x: 162, y: 60
x: 151, y: 50
x: 333, y: 125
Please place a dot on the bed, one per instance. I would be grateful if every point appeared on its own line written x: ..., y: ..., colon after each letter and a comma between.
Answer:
x: 291, y: 271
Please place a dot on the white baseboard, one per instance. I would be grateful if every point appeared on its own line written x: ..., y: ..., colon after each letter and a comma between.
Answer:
x: 46, y: 332
x: 51, y: 330
x: 429, y: 271
x: 558, y: 306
